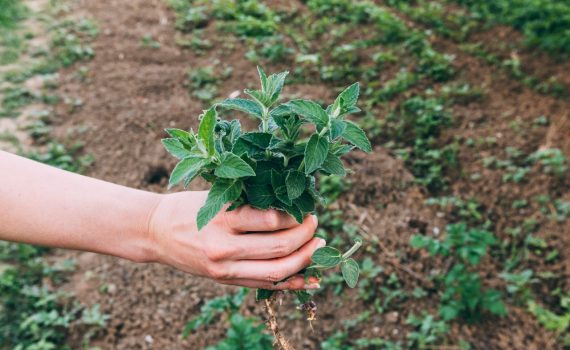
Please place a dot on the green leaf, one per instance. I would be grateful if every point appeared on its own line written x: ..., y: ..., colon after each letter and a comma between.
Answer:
x: 263, y: 172
x: 275, y: 85
x: 187, y: 168
x: 350, y: 272
x: 176, y: 148
x: 349, y: 96
x: 243, y: 105
x: 262, y: 78
x: 303, y: 296
x: 281, y: 194
x: 295, y: 182
x: 278, y: 183
x: 259, y: 97
x: 333, y: 165
x: 261, y: 294
x: 327, y: 257
x: 305, y: 203
x: 223, y: 191
x: 337, y: 128
x: 182, y: 135
x: 258, y: 139
x: 293, y: 211
x: 233, y: 167
x: 315, y: 153
x: 312, y: 111
x: 206, y: 130
x: 340, y: 149
x: 260, y: 196
x: 357, y: 137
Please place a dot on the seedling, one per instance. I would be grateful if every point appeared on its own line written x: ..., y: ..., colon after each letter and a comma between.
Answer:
x: 275, y: 166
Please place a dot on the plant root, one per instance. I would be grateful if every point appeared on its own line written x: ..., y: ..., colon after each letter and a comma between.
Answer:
x: 280, y: 340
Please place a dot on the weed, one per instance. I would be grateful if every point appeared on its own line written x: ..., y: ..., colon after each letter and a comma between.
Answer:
x: 427, y: 333
x: 148, y: 41
x: 462, y: 293
x: 59, y: 156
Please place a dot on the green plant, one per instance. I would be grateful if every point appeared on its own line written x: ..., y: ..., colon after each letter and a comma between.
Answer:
x: 225, y: 304
x: 462, y: 293
x: 59, y: 156
x: 551, y: 321
x: 427, y: 331
x: 149, y: 41
x: 244, y: 334
x: 273, y: 167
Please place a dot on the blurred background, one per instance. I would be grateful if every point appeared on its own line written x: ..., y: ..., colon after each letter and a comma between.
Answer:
x: 463, y: 205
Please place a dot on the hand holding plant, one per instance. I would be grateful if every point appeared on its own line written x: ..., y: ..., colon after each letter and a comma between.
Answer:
x: 277, y: 248
x: 274, y: 168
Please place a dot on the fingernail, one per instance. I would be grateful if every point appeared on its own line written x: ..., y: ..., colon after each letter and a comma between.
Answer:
x: 314, y: 280
x: 321, y: 243
x: 312, y: 286
x: 315, y: 220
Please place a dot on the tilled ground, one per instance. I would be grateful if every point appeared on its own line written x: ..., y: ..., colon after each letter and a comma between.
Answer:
x: 132, y: 93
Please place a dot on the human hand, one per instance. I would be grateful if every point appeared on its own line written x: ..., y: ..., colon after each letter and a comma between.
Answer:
x: 247, y: 247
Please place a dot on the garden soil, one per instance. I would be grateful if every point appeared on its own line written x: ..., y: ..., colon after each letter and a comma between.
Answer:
x: 132, y: 93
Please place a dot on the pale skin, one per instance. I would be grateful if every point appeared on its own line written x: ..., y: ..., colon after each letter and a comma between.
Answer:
x: 46, y: 206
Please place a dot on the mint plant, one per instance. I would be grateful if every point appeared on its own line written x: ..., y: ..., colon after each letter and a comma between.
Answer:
x: 275, y: 166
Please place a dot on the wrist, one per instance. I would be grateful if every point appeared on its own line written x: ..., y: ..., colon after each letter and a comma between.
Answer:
x: 142, y: 245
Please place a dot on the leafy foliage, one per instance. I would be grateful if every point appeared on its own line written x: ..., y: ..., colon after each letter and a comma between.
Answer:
x: 544, y: 23
x: 273, y: 167
x: 463, y: 294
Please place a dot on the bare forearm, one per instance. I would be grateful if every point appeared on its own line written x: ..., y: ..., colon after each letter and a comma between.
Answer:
x: 47, y: 206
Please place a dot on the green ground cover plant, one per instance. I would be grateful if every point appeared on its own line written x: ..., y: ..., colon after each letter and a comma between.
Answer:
x: 462, y: 292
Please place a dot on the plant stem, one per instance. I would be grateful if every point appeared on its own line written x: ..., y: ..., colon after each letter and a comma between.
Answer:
x: 324, y: 131
x: 272, y: 320
x: 302, y: 165
x: 353, y: 249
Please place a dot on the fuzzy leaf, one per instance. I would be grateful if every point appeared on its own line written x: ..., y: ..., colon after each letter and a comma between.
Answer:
x: 293, y: 211
x: 337, y: 128
x: 262, y: 78
x: 182, y: 135
x: 258, y: 139
x: 312, y: 111
x: 233, y: 167
x: 206, y: 130
x: 315, y: 153
x: 262, y: 294
x: 260, y: 196
x: 349, y: 96
x: 327, y: 256
x: 350, y: 272
x: 274, y: 86
x: 259, y: 97
x: 176, y: 148
x: 357, y: 137
x: 305, y: 203
x: 333, y: 165
x: 243, y: 105
x: 223, y: 191
x: 295, y: 182
x: 187, y: 168
x: 281, y: 194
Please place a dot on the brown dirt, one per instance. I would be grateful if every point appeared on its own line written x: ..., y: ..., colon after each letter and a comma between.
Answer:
x: 133, y: 92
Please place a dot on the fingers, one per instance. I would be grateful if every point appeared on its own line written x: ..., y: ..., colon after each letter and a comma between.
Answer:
x: 276, y: 270
x: 296, y: 282
x: 254, y: 246
x: 246, y: 219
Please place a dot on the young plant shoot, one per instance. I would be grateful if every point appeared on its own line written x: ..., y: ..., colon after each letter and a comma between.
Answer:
x: 275, y: 166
